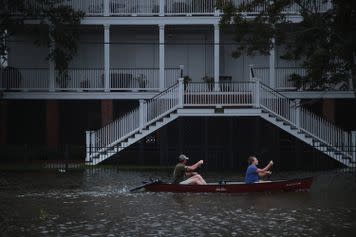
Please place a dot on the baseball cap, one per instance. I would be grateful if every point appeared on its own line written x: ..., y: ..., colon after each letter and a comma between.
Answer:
x: 182, y: 157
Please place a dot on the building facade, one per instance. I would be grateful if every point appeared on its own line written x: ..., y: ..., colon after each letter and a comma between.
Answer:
x: 132, y: 52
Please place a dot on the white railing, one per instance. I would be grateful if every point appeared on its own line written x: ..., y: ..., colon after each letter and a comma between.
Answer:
x: 277, y: 103
x: 162, y: 104
x: 232, y: 94
x: 171, y: 7
x: 302, y: 118
x: 81, y: 79
x: 132, y: 122
x: 282, y: 76
x: 171, y: 76
x: 115, y: 131
x: 189, y: 7
x: 90, y: 7
x: 24, y: 78
x: 133, y: 78
x: 248, y: 94
x: 87, y: 79
x: 254, y: 10
x: 262, y: 74
x: 134, y: 7
x: 314, y: 6
x: 326, y: 131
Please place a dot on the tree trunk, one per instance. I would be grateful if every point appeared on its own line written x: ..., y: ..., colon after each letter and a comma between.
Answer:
x: 353, y: 77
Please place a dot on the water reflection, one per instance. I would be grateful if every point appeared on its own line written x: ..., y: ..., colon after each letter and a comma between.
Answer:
x: 97, y: 202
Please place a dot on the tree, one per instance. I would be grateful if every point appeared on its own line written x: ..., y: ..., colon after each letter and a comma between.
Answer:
x: 53, y: 24
x: 323, y: 40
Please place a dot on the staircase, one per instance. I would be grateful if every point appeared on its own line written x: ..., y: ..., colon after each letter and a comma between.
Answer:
x: 224, y: 99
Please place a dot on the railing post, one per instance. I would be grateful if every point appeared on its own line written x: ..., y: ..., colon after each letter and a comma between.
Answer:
x: 216, y: 56
x: 180, y: 92
x: 272, y: 65
x: 216, y: 11
x: 93, y: 147
x: 251, y: 72
x: 106, y: 7
x: 107, y: 58
x: 52, y: 76
x: 353, y: 145
x: 87, y: 146
x: 161, y: 56
x: 297, y: 112
x: 181, y: 70
x: 257, y: 93
x: 161, y: 7
x: 141, y: 114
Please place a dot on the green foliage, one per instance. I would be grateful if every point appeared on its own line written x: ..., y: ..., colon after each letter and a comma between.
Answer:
x: 43, y: 215
x: 54, y: 22
x: 324, y: 41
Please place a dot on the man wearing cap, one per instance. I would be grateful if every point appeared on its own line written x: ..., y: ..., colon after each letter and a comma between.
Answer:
x: 181, y: 171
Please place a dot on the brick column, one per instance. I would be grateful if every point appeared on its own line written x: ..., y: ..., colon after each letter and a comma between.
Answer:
x: 329, y: 109
x: 52, y: 124
x: 106, y: 112
x: 3, y: 122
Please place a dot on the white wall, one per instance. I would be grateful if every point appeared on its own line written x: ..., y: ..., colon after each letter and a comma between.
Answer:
x: 138, y: 48
x: 238, y: 67
x: 134, y: 49
x: 90, y: 50
x: 194, y: 51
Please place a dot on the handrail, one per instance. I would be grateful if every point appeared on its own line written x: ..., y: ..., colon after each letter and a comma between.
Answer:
x: 227, y: 94
x: 316, y: 126
x: 163, y: 92
x: 153, y: 8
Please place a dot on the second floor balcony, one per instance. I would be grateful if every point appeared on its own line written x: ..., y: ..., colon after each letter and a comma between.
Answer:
x: 94, y: 8
x: 85, y: 79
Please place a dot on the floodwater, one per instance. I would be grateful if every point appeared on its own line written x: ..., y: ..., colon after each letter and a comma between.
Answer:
x: 96, y: 202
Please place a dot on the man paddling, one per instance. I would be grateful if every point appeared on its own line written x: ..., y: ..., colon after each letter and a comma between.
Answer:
x: 253, y: 173
x: 181, y: 171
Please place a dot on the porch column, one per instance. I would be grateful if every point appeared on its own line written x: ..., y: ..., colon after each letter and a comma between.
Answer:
x: 161, y: 56
x: 51, y: 67
x: 4, y: 57
x: 216, y: 55
x: 106, y: 112
x: 52, y: 124
x: 3, y: 122
x: 329, y: 109
x: 272, y: 65
x: 106, y: 58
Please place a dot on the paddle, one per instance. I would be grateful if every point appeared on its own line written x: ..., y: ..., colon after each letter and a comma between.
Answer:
x: 156, y: 181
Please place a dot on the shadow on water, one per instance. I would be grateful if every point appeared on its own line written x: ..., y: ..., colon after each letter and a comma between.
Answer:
x: 97, y: 202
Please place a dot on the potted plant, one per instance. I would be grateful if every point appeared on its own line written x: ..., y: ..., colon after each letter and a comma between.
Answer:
x: 142, y: 81
x: 186, y: 80
x: 298, y: 81
x: 210, y: 81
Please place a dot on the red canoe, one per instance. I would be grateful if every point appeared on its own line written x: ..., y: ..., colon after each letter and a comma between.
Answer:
x: 301, y: 184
